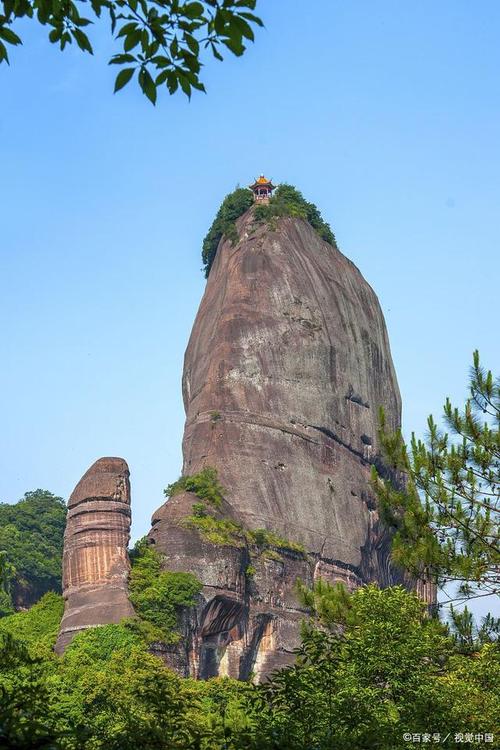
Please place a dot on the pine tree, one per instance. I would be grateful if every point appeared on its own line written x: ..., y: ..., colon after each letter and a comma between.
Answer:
x: 468, y: 636
x: 443, y: 494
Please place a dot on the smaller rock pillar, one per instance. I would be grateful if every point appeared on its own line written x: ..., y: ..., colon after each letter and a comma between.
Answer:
x: 95, y: 559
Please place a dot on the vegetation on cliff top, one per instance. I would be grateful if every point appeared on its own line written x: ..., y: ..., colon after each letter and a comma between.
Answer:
x: 233, y: 206
x: 286, y: 201
x: 204, y: 485
x: 31, y: 543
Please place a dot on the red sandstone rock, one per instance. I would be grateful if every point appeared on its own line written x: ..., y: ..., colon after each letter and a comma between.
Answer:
x: 289, y: 351
x: 95, y: 560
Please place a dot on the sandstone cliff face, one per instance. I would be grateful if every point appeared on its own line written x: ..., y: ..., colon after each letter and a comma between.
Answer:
x: 95, y: 560
x: 286, y: 367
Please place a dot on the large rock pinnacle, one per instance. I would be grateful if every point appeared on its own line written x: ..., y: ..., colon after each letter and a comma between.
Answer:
x: 95, y: 560
x: 286, y: 368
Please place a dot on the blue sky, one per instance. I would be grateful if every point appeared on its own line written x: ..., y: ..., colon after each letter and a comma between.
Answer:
x: 385, y: 114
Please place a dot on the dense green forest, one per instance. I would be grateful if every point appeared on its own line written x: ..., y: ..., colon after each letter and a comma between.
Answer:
x: 372, y: 667
x: 31, y: 543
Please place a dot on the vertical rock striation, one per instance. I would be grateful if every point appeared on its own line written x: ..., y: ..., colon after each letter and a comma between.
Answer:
x: 286, y: 367
x: 95, y: 560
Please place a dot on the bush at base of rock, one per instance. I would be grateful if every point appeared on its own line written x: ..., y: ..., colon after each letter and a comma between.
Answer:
x: 158, y: 595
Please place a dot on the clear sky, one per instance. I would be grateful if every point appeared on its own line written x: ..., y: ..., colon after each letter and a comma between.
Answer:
x: 385, y: 114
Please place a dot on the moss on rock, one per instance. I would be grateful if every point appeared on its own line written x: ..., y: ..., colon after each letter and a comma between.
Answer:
x: 158, y: 595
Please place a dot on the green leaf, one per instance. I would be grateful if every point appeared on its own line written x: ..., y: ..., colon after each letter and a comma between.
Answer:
x: 152, y: 49
x: 199, y: 86
x: 96, y: 7
x: 132, y: 40
x: 192, y: 43
x: 65, y: 39
x: 172, y: 83
x: 161, y: 77
x: 147, y: 85
x: 9, y: 36
x: 193, y: 10
x: 127, y: 29
x: 121, y: 59
x: 219, y: 22
x: 236, y: 47
x: 254, y: 19
x: 185, y: 86
x: 82, y: 22
x: 82, y: 41
x: 3, y: 53
x: 216, y: 53
x: 161, y: 61
x: 123, y: 78
x: 244, y: 28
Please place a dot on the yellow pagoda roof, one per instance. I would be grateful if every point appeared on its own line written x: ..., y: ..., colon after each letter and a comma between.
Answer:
x: 260, y: 181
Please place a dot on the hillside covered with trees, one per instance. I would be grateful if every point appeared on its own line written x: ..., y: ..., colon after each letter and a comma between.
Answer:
x: 385, y: 670
x: 31, y: 545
